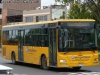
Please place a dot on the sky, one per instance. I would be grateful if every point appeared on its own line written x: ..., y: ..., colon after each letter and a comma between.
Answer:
x: 47, y: 2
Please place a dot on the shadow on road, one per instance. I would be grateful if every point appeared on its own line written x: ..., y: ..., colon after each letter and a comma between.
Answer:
x: 51, y: 69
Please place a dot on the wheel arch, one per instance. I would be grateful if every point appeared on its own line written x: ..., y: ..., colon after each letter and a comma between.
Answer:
x: 12, y: 53
x: 41, y: 57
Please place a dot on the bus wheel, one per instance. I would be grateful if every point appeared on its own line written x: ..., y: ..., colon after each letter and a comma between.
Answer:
x: 13, y: 58
x: 44, y: 62
x: 76, y: 68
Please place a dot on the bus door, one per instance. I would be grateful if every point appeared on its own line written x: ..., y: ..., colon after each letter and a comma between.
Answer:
x: 20, y: 46
x: 52, y: 47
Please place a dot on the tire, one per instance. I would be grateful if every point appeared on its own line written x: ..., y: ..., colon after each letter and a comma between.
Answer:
x: 13, y: 59
x: 44, y: 63
x: 76, y: 68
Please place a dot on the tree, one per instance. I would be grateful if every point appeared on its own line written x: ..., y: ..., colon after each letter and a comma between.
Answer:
x: 79, y: 11
x: 65, y: 2
x: 94, y: 6
x: 63, y: 15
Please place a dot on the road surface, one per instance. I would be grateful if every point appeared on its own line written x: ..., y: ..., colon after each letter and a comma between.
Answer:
x: 27, y: 69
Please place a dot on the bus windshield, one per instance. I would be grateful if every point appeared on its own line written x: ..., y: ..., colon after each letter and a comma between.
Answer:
x: 71, y: 38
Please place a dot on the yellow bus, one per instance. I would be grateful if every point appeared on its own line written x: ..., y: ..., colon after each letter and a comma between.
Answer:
x: 59, y: 43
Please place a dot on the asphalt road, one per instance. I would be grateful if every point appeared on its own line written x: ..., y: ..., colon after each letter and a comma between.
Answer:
x: 28, y: 69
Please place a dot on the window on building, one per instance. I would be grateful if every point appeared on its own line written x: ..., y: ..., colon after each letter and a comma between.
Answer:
x: 43, y: 18
x: 29, y: 19
x: 37, y: 18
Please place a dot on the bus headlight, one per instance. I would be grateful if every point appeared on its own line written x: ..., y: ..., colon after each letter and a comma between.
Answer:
x: 62, y: 60
x: 9, y: 72
x: 96, y: 59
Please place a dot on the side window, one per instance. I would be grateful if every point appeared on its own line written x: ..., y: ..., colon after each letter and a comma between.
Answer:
x: 36, y: 37
x: 39, y: 37
x: 27, y: 37
x: 5, y: 37
x: 10, y: 37
x: 44, y: 37
x: 16, y: 37
x: 13, y: 37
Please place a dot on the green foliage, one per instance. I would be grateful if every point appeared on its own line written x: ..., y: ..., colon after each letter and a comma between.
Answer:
x: 79, y: 11
x: 63, y: 15
x: 94, y: 6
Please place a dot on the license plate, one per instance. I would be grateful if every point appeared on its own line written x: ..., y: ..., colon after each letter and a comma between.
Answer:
x: 80, y: 64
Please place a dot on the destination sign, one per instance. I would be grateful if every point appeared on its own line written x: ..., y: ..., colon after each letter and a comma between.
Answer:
x: 77, y: 24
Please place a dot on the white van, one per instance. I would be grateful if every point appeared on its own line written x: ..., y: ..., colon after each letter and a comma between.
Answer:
x: 4, y: 70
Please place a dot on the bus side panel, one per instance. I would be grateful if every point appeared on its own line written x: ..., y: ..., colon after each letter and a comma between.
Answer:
x: 33, y: 54
x: 7, y: 50
x: 4, y: 51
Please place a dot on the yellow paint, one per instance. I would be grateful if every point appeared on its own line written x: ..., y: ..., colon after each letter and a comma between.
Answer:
x: 46, y: 22
x: 89, y: 61
x: 9, y: 49
x: 33, y: 55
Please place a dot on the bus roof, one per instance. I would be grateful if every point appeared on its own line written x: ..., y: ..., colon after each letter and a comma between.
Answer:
x: 54, y: 21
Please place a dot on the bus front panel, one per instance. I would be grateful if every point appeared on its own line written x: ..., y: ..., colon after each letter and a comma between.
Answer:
x: 77, y: 44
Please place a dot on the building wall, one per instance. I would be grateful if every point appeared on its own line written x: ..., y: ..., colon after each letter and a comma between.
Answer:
x: 51, y: 14
x: 12, y: 4
x: 56, y: 13
x: 12, y: 12
x: 16, y: 8
x: 4, y: 19
x: 34, y: 13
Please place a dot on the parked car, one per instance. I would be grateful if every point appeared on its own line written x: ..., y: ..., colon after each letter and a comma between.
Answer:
x: 4, y: 70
